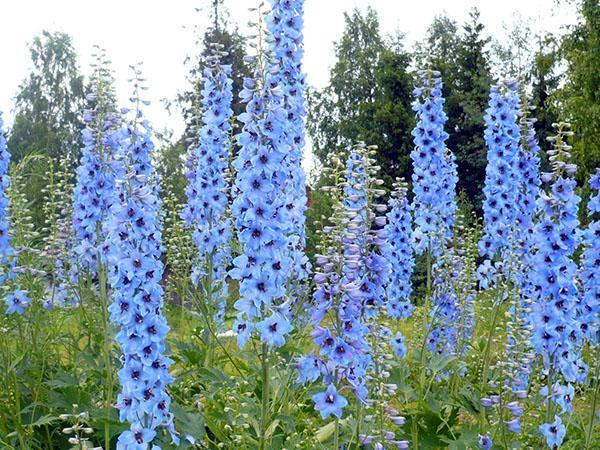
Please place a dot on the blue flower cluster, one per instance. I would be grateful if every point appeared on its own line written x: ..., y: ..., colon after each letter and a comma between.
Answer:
x: 454, y: 291
x: 95, y: 180
x: 557, y: 335
x: 399, y: 254
x: 207, y: 209
x: 446, y: 314
x: 502, y: 137
x: 519, y: 353
x: 261, y: 215
x: 434, y: 169
x: 18, y: 300
x: 284, y: 24
x: 527, y: 171
x: 351, y: 275
x: 135, y: 274
x: 589, y: 309
x: 6, y: 250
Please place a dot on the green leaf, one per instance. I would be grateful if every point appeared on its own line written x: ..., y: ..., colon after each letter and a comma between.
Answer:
x: 44, y: 420
x: 440, y: 362
x: 188, y: 422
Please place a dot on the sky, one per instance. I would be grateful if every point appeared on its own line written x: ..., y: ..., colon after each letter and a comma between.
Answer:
x: 161, y: 33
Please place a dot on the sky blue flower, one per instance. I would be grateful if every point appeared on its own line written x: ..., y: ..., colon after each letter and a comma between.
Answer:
x: 207, y: 209
x: 309, y: 368
x: 273, y: 329
x: 434, y: 169
x: 485, y: 442
x: 330, y: 402
x: 398, y: 345
x: 17, y: 302
x: 554, y: 432
x: 137, y: 438
x: 514, y: 425
x: 446, y: 313
x: 350, y: 277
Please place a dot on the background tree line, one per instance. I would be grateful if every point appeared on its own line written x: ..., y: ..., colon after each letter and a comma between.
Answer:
x: 368, y: 97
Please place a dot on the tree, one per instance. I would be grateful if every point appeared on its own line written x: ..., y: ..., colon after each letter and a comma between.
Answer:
x: 48, y: 110
x: 578, y: 101
x: 368, y: 97
x: 514, y: 55
x: 49, y: 101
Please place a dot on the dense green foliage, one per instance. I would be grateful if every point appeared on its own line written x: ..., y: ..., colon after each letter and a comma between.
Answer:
x: 579, y: 99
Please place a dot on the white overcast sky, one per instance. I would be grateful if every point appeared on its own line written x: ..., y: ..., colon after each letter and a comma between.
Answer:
x: 160, y: 33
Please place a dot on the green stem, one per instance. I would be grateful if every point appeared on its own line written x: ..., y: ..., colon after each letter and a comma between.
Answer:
x: 18, y: 412
x: 106, y: 353
x: 549, y: 399
x: 336, y: 435
x: 210, y: 315
x: 264, y: 412
x: 588, y: 440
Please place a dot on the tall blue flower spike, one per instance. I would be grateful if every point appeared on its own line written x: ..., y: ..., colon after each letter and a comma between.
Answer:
x: 18, y: 300
x: 502, y: 180
x: 284, y: 24
x: 260, y: 211
x: 445, y: 314
x: 6, y: 250
x: 454, y: 289
x: 399, y: 253
x: 519, y: 353
x: 351, y: 277
x: 207, y: 210
x: 558, y: 337
x: 434, y: 169
x: 134, y: 241
x: 589, y: 309
x: 95, y: 180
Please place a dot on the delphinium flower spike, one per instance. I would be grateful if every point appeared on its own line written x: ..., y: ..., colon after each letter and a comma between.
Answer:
x: 340, y: 332
x: 207, y: 210
x: 94, y: 189
x: 557, y: 335
x: 434, y: 175
x: 18, y: 300
x: 260, y: 211
x: 353, y: 348
x: 589, y: 309
x: 502, y: 136
x: 518, y: 352
x: 6, y: 251
x: 445, y: 314
x: 399, y: 253
x: 134, y: 240
x: 284, y: 23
